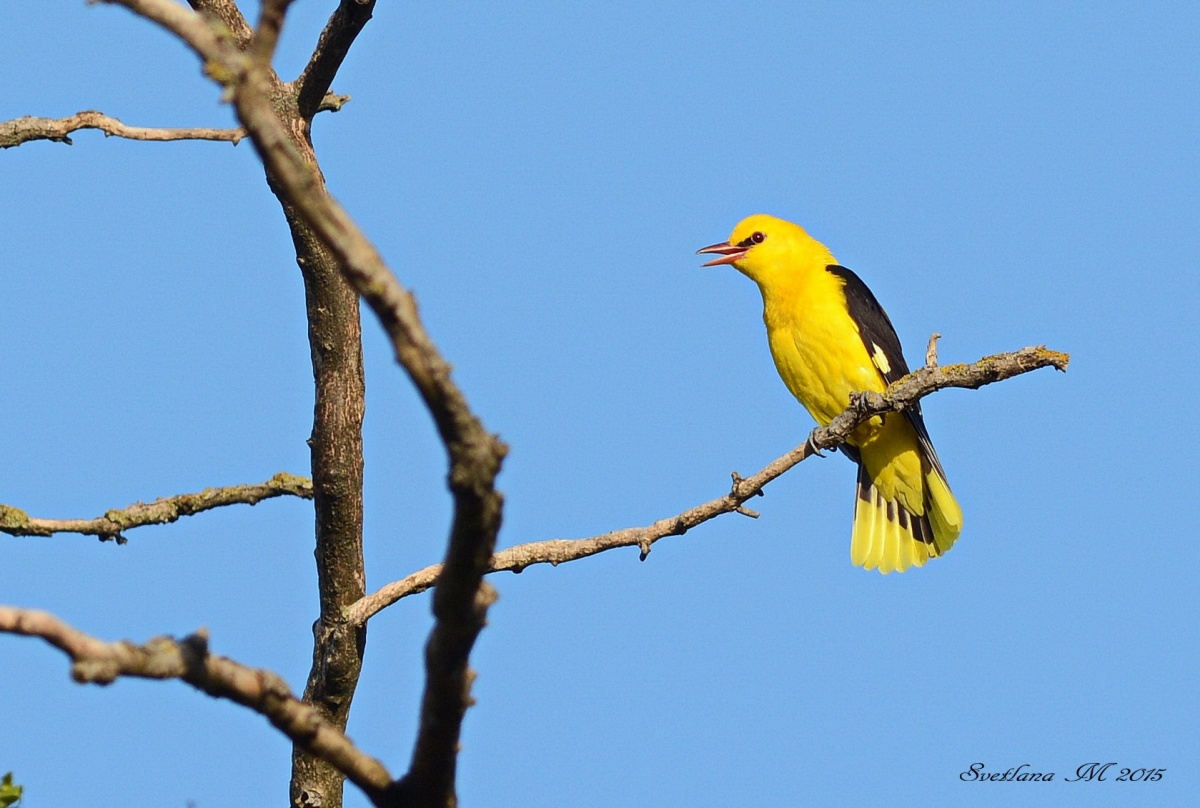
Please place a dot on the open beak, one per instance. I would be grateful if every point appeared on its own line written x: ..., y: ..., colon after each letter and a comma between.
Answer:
x: 729, y: 253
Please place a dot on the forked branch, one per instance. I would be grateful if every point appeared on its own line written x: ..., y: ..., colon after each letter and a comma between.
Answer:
x: 334, y: 44
x: 475, y: 455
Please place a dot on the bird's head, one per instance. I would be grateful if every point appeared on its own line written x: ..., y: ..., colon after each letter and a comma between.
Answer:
x: 763, y: 246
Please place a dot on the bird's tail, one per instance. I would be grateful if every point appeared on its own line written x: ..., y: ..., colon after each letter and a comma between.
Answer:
x: 887, y: 536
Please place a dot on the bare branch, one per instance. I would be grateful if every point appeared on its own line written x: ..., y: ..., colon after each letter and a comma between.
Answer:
x: 114, y: 523
x: 230, y: 16
x: 335, y: 342
x: 188, y: 659
x: 461, y: 601
x: 336, y: 345
x: 903, y: 393
x: 344, y: 25
x: 23, y: 130
x: 266, y: 34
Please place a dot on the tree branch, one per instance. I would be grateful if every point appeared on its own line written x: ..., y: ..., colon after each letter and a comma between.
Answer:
x: 114, y: 523
x: 344, y: 25
x: 461, y: 601
x: 230, y: 16
x: 905, y: 392
x: 335, y: 342
x: 238, y: 59
x: 266, y: 33
x: 188, y: 659
x: 22, y: 130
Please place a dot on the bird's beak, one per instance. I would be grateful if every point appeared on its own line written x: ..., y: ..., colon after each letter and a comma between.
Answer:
x: 729, y: 253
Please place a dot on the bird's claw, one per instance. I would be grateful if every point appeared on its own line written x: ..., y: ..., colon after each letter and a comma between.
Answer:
x: 812, y: 444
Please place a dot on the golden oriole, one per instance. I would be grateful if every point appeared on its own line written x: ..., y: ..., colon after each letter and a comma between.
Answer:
x: 829, y: 337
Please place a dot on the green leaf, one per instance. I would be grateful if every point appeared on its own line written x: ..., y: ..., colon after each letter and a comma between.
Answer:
x: 9, y: 794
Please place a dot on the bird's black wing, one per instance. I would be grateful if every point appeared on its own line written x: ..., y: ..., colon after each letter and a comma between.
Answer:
x: 874, y: 326
x: 883, y: 346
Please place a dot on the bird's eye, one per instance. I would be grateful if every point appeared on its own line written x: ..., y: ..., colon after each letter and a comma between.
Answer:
x: 749, y: 241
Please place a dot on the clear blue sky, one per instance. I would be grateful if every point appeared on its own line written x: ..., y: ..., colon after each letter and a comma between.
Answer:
x: 1006, y: 174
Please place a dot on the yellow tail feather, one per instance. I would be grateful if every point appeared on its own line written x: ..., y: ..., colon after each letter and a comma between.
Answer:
x: 889, y: 538
x: 945, y: 515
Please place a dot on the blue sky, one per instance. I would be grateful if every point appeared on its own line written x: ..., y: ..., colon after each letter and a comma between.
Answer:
x: 540, y: 175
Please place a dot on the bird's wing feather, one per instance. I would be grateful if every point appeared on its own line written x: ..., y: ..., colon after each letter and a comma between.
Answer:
x: 883, y: 346
x: 874, y: 326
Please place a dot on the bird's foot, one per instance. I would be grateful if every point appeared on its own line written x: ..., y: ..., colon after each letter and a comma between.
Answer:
x: 811, y: 443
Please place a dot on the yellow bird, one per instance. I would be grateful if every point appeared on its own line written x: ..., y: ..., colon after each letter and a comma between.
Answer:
x: 829, y: 337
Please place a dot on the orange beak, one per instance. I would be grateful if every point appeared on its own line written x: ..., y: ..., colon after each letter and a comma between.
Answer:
x: 729, y: 253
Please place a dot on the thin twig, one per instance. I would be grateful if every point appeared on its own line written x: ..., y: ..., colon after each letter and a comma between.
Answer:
x: 332, y: 102
x: 931, y: 359
x: 114, y: 523
x: 100, y: 662
x: 25, y: 129
x: 903, y: 393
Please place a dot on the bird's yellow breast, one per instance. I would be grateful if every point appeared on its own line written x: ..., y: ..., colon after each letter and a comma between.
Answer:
x: 815, y: 344
x: 822, y: 359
